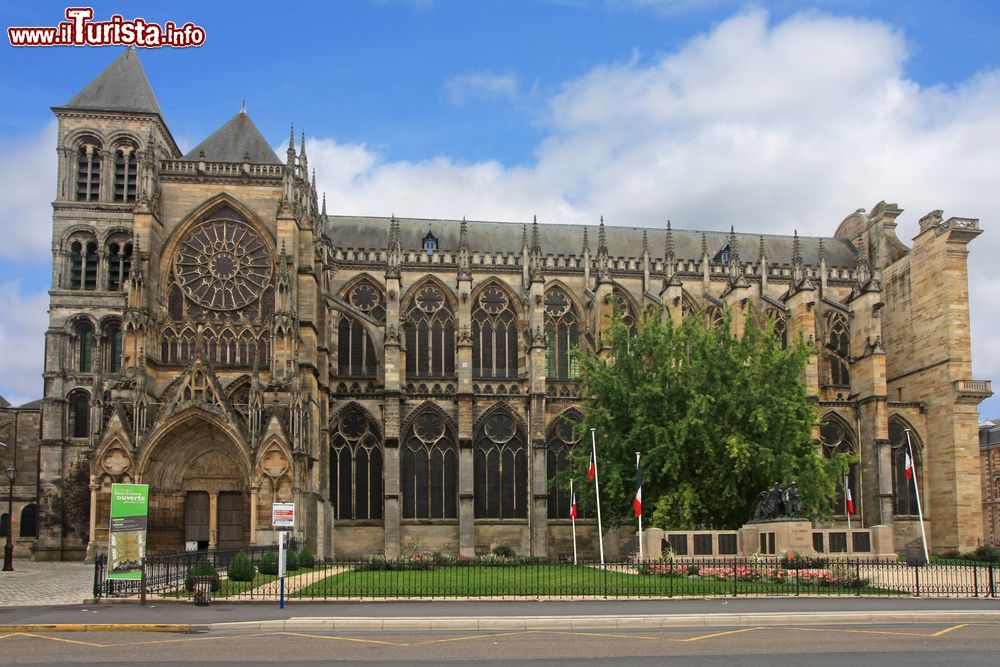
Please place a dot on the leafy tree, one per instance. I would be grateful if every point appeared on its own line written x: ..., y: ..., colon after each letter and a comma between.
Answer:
x: 73, y: 501
x: 717, y: 418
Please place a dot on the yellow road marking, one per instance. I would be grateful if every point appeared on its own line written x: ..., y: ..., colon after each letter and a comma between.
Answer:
x: 463, y: 638
x: 947, y: 630
x: 345, y: 639
x: 718, y: 634
x: 191, y: 639
x: 870, y: 632
x: 590, y: 634
x: 60, y: 639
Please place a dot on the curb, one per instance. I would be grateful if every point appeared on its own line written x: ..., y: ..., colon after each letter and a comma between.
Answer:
x: 404, y: 624
x: 102, y: 627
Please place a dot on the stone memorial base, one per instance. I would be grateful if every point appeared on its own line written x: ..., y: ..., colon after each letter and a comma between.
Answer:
x: 777, y: 537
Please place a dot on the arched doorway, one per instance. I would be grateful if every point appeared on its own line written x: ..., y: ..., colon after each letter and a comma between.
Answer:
x: 197, y: 469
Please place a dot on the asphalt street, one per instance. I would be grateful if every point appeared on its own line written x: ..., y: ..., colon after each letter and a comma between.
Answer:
x: 884, y: 646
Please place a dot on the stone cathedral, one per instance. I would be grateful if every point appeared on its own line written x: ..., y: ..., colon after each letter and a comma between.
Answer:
x: 409, y: 384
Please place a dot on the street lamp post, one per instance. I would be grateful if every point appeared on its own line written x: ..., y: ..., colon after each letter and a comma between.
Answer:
x: 8, y: 548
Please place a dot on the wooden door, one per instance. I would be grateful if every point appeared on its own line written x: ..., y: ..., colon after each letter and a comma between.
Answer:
x: 231, y: 520
x: 196, y: 518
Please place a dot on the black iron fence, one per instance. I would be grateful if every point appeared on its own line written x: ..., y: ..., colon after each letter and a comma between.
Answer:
x: 437, y: 576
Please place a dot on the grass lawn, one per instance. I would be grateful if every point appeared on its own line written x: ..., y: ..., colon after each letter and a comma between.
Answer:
x: 539, y: 580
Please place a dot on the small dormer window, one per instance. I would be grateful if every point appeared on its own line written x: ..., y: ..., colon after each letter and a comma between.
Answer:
x: 722, y: 256
x: 430, y: 242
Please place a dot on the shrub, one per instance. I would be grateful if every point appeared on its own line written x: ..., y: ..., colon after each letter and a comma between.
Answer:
x: 241, y: 569
x: 692, y: 570
x: 202, y: 569
x: 291, y: 561
x: 793, y: 560
x: 269, y: 563
x: 504, y: 551
x: 987, y: 553
x: 306, y: 558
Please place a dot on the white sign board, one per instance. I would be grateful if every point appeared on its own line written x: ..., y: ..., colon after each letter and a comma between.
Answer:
x: 283, y: 515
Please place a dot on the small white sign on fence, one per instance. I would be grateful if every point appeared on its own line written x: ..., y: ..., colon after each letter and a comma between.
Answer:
x: 283, y: 515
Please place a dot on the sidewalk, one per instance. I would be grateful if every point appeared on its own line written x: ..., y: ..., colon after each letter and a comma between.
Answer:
x: 33, y: 583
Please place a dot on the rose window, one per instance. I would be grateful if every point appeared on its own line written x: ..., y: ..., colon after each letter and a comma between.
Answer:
x: 223, y: 265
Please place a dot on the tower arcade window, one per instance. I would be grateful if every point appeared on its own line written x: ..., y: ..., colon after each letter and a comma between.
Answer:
x: 79, y: 414
x: 85, y: 347
x: 83, y: 263
x: 119, y: 263
x: 88, y: 172
x: 113, y: 347
x: 125, y: 174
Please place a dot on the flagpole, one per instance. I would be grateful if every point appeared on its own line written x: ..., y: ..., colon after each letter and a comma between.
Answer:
x: 847, y: 507
x: 640, y: 513
x: 597, y: 490
x: 572, y: 516
x: 916, y: 488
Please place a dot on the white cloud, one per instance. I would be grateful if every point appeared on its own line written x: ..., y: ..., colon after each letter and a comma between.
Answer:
x: 28, y: 174
x: 768, y: 127
x: 22, y: 337
x: 461, y: 89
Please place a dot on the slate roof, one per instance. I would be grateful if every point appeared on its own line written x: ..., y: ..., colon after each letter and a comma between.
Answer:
x: 505, y: 237
x: 122, y: 86
x: 238, y: 140
x: 4, y: 403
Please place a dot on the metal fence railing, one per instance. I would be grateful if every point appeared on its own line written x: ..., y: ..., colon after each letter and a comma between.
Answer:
x: 437, y: 576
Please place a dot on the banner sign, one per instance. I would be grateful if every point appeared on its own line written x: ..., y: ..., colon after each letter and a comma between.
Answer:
x: 283, y: 515
x: 129, y: 509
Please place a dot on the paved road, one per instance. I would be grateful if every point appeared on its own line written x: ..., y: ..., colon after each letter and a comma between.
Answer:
x: 34, y: 583
x: 884, y: 646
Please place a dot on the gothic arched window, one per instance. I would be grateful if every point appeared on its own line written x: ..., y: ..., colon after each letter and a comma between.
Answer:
x: 83, y: 263
x: 494, y: 335
x: 119, y: 263
x: 624, y: 307
x: 356, y: 466
x: 779, y: 326
x: 836, y: 437
x: 838, y: 346
x: 85, y: 347
x: 429, y: 468
x: 79, y: 414
x: 29, y: 521
x: 562, y: 334
x: 904, y: 491
x: 125, y: 174
x: 356, y: 355
x: 430, y: 334
x: 113, y: 347
x: 88, y: 171
x: 500, y: 467
x: 559, y: 444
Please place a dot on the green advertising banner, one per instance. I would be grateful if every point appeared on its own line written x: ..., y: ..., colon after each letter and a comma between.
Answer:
x: 129, y: 508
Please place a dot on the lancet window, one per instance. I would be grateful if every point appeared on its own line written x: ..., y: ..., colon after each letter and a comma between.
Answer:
x: 560, y: 441
x: 837, y: 437
x: 838, y: 347
x: 429, y: 468
x: 562, y: 334
x: 500, y: 467
x: 494, y: 335
x: 356, y: 356
x: 356, y: 465
x: 88, y: 171
x: 430, y: 334
x: 904, y: 487
x: 125, y: 173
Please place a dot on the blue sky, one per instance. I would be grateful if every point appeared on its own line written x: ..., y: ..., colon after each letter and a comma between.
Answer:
x: 771, y: 116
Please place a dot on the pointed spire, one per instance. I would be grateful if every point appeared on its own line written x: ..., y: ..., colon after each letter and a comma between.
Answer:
x: 464, y: 262
x: 704, y: 244
x: 821, y: 252
x: 243, y: 107
x: 536, y: 244
x: 669, y: 259
x: 603, y: 261
x: 324, y: 204
x: 645, y: 244
x: 734, y: 248
x: 760, y: 253
x: 535, y: 261
x: 303, y: 162
x: 586, y: 242
x: 291, y: 146
x: 394, y: 254
x: 796, y: 250
x: 122, y: 86
x: 524, y: 238
x: 668, y: 244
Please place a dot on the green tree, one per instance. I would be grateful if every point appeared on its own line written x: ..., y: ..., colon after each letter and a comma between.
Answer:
x: 717, y: 419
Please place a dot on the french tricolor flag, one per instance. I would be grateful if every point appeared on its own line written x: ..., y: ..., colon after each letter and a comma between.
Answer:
x: 572, y: 506
x: 637, y: 503
x: 850, y: 502
x: 592, y: 470
x: 908, y: 464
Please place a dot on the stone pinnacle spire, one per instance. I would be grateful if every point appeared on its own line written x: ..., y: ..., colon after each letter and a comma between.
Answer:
x: 291, y: 146
x: 536, y: 244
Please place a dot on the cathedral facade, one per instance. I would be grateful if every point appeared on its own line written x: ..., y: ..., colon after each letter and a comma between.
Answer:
x: 409, y: 384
